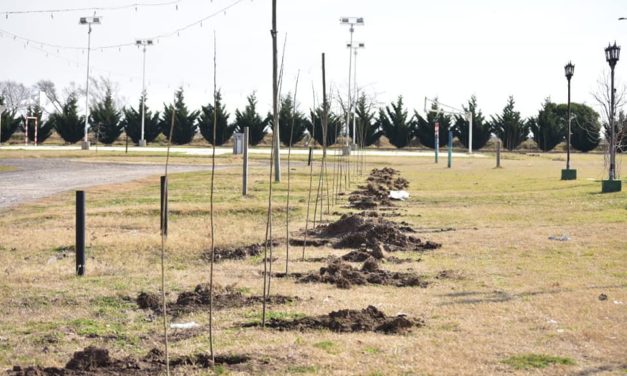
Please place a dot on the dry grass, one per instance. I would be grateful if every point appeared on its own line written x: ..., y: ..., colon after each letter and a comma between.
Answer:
x: 520, y: 293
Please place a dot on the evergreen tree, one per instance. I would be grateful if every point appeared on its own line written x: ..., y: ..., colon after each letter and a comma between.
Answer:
x: 105, y: 119
x: 621, y: 134
x: 184, y: 121
x: 396, y: 125
x: 67, y: 123
x: 548, y: 128
x: 314, y: 126
x: 224, y: 131
x: 368, y: 131
x: 509, y: 126
x: 44, y: 129
x: 585, y: 125
x: 132, y: 123
x: 289, y: 117
x: 257, y: 127
x: 425, y: 128
x: 481, y: 129
x: 10, y: 122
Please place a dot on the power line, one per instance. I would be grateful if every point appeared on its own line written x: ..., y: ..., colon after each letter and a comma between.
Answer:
x: 120, y: 45
x: 95, y: 9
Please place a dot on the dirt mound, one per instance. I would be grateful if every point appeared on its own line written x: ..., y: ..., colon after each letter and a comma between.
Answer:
x: 369, y: 319
x: 97, y: 361
x: 345, y: 276
x: 236, y: 253
x: 149, y: 300
x: 377, y: 190
x: 376, y: 233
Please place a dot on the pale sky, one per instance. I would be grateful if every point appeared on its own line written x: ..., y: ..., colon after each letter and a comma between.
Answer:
x: 446, y: 48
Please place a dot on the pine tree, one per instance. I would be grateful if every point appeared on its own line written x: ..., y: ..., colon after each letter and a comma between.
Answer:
x: 224, y: 131
x: 368, y: 131
x: 425, y: 128
x: 315, y: 123
x: 184, y: 121
x: 396, y: 126
x: 10, y: 122
x: 509, y: 126
x: 132, y: 123
x: 257, y: 127
x: 548, y: 128
x: 44, y: 129
x: 67, y: 123
x: 105, y: 119
x: 585, y: 125
x: 481, y: 129
x: 288, y: 117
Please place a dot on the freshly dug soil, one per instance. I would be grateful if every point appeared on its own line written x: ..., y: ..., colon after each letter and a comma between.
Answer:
x: 375, y: 193
x: 237, y: 253
x: 344, y: 276
x: 369, y: 319
x: 223, y: 298
x: 357, y: 231
x: 97, y: 361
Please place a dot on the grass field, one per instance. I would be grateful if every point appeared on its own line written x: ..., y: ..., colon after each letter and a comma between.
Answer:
x: 520, y: 303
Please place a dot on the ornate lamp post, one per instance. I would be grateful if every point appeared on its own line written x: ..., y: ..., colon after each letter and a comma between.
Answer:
x: 612, y: 54
x: 568, y: 174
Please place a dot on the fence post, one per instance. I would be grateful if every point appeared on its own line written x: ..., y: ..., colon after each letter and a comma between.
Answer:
x: 245, y: 167
x: 498, y: 154
x: 164, y: 205
x: 80, y: 233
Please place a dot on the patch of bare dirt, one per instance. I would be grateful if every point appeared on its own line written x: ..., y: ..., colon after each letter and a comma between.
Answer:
x: 369, y: 319
x: 345, y: 276
x: 223, y: 298
x: 97, y: 361
x: 377, y: 189
x: 450, y: 274
x: 236, y: 253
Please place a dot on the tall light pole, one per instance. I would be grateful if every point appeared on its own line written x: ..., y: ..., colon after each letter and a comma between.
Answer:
x: 87, y: 21
x: 143, y: 43
x: 612, y: 54
x: 568, y: 174
x: 352, y: 22
x: 354, y: 47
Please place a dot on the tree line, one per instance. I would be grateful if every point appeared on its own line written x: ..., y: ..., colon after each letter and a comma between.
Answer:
x: 394, y: 121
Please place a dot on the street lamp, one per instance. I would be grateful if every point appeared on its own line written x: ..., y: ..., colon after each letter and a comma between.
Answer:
x: 143, y: 43
x: 2, y: 109
x: 87, y: 21
x: 352, y: 22
x: 568, y: 174
x: 354, y: 47
x: 612, y: 54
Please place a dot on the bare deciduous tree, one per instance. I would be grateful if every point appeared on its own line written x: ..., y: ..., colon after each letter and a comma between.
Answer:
x: 16, y: 96
x: 603, y: 96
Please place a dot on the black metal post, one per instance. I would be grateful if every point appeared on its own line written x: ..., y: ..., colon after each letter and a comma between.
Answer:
x: 310, y: 156
x: 164, y: 205
x: 612, y: 133
x: 80, y: 233
x: 568, y: 137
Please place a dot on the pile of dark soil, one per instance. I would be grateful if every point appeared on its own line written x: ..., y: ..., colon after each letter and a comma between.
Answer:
x: 357, y: 231
x: 345, y: 276
x: 223, y: 298
x: 347, y: 320
x: 97, y: 361
x: 377, y: 190
x: 237, y: 253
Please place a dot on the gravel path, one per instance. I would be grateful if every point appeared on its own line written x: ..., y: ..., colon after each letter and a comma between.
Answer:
x: 37, y: 178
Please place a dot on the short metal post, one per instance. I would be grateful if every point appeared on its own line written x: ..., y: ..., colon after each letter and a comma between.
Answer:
x: 245, y: 171
x: 450, y: 147
x: 437, y: 140
x: 164, y: 205
x: 80, y: 233
x: 310, y: 156
x: 498, y: 153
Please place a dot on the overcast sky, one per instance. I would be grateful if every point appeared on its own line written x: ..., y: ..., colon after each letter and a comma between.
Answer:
x: 451, y: 49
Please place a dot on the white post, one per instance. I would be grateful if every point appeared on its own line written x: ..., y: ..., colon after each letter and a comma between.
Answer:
x: 142, y: 140
x: 350, y: 103
x: 470, y: 116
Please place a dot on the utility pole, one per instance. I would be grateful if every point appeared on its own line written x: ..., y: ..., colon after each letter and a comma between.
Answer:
x: 354, y: 47
x: 87, y: 21
x: 143, y: 43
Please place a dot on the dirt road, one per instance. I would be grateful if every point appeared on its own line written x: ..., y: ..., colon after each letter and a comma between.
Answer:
x: 37, y: 178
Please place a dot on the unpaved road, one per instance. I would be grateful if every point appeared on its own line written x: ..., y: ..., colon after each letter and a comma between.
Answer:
x: 37, y: 178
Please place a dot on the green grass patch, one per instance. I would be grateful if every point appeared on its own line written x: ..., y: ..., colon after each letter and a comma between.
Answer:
x: 7, y: 168
x: 372, y: 350
x: 270, y: 315
x: 529, y: 361
x: 328, y: 346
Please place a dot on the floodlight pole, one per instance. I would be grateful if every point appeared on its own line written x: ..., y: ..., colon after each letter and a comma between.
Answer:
x: 351, y: 21
x: 143, y: 43
x: 354, y: 48
x: 87, y: 21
